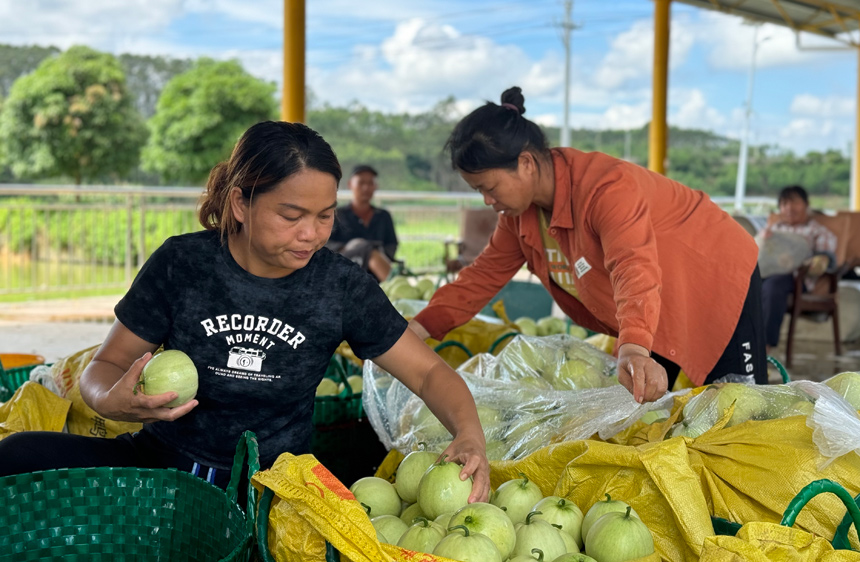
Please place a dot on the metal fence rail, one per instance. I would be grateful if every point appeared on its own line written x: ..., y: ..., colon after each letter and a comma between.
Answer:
x: 67, y: 238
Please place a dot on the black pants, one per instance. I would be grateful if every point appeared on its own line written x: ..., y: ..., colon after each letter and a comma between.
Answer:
x: 745, y: 354
x: 775, y: 291
x: 30, y: 451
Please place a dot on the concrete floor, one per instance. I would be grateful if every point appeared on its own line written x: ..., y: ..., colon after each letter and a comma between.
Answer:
x: 816, y: 360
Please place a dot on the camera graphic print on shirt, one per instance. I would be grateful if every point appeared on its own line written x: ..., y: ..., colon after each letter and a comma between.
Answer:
x: 255, y: 334
x: 245, y: 358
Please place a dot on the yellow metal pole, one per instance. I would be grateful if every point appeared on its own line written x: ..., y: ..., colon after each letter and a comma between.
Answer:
x: 855, y: 189
x: 659, y: 87
x: 293, y: 98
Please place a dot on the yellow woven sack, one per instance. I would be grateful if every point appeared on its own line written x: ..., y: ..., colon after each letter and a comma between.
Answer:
x: 311, y: 507
x: 750, y: 472
x: 656, y: 479
x: 83, y: 420
x: 33, y: 408
x: 67, y: 370
x: 770, y: 542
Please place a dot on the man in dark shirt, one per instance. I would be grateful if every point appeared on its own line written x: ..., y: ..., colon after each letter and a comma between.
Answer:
x: 364, y: 233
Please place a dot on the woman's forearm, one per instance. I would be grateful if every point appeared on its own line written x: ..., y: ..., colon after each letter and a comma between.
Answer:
x: 97, y: 380
x: 447, y: 396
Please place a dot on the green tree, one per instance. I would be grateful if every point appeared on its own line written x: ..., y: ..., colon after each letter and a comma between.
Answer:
x: 18, y: 61
x: 199, y: 117
x: 71, y: 117
x: 147, y: 77
x: 405, y: 148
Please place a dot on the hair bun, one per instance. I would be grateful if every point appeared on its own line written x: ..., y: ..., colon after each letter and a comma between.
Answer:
x: 514, y: 96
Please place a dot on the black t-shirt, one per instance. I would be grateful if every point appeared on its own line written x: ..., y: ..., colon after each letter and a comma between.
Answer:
x: 261, y: 346
x: 347, y: 226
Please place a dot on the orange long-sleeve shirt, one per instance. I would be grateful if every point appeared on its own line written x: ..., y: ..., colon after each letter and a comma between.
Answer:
x: 656, y: 263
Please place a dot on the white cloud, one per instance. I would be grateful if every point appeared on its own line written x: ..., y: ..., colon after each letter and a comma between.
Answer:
x: 261, y: 12
x: 688, y: 109
x: 695, y: 113
x: 615, y: 116
x: 101, y: 24
x: 384, y: 10
x: 803, y: 134
x: 265, y: 64
x: 547, y: 120
x: 423, y: 62
x: 804, y: 127
x: 463, y: 107
x: 631, y: 54
x: 730, y: 41
x: 830, y: 106
x: 623, y: 116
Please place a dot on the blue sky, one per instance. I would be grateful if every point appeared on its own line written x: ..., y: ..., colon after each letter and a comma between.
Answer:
x: 397, y: 56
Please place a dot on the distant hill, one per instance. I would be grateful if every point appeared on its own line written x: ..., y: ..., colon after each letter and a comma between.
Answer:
x: 407, y: 148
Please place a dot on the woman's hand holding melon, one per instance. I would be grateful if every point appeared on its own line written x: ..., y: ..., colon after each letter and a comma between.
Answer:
x: 124, y: 402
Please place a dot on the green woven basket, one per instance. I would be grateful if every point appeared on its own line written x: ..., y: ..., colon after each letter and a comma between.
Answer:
x: 840, y: 539
x: 101, y: 514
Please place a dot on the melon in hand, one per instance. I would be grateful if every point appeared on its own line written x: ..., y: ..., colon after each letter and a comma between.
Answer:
x: 170, y: 371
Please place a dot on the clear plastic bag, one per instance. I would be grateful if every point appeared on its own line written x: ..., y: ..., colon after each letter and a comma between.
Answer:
x: 827, y: 407
x: 526, y: 398
x: 44, y: 375
x: 751, y: 402
x: 834, y: 422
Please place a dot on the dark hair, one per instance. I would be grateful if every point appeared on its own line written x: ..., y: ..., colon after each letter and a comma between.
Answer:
x: 267, y: 154
x: 361, y: 168
x: 493, y: 136
x: 791, y: 191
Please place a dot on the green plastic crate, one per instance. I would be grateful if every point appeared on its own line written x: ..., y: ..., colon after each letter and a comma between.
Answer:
x: 13, y: 377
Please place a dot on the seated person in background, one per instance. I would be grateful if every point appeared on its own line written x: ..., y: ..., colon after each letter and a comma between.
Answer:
x: 362, y: 232
x: 794, y: 218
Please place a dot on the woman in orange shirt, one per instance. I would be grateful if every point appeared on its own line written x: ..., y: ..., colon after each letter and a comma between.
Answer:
x: 622, y: 250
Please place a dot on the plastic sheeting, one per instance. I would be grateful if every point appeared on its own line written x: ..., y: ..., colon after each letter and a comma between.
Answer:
x: 536, y: 391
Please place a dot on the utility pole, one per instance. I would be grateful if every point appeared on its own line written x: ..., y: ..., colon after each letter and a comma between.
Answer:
x: 567, y: 28
x: 741, y: 180
x: 628, y: 141
x: 852, y: 189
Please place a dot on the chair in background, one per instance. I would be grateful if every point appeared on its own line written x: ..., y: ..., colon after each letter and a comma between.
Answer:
x: 476, y: 228
x: 823, y: 299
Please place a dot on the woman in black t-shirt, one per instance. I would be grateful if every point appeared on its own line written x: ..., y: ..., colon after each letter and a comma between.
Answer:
x: 260, y: 279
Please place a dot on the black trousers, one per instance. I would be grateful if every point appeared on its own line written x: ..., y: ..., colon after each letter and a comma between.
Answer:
x: 745, y: 354
x: 775, y: 291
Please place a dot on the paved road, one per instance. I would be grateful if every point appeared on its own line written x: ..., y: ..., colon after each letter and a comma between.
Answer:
x: 55, y: 328
x: 52, y: 340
